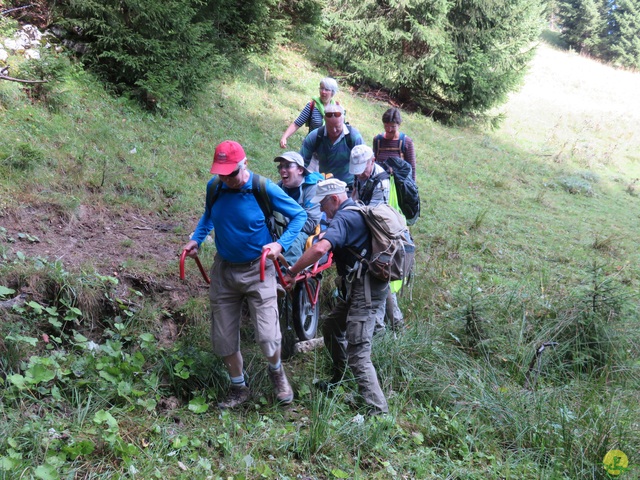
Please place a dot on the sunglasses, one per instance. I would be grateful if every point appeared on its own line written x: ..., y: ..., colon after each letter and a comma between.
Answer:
x: 333, y: 114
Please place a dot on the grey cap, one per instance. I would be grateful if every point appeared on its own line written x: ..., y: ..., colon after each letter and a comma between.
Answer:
x: 360, y: 155
x: 293, y: 157
x: 331, y: 186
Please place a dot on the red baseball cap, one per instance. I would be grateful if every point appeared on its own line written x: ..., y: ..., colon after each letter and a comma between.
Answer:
x: 228, y: 155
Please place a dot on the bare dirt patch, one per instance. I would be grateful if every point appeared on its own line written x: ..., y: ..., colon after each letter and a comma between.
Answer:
x: 140, y: 249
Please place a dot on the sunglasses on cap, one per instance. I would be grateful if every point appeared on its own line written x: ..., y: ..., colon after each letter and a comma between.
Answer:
x: 333, y: 114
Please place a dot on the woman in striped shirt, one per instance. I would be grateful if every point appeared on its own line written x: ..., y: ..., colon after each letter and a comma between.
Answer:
x: 313, y: 112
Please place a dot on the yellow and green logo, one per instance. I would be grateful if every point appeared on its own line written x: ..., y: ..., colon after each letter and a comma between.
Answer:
x: 615, y: 462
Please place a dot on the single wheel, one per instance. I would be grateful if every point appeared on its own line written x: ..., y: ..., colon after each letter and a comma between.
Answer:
x: 305, y: 315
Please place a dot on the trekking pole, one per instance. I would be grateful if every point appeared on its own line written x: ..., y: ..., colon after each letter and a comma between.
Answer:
x: 202, y: 271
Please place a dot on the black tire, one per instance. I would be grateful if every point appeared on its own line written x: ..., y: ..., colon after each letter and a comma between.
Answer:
x: 305, y: 316
x: 287, y: 345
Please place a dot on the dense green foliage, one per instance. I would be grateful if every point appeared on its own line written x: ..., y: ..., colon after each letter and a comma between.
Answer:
x: 606, y: 29
x: 447, y: 57
x: 163, y: 51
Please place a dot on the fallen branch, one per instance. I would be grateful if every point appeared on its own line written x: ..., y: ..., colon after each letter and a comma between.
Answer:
x: 17, y: 8
x: 4, y: 76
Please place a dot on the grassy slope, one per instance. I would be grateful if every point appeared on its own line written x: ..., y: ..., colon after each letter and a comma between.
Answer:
x: 500, y: 237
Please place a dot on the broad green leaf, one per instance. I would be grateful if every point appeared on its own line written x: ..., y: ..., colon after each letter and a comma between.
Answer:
x: 84, y: 447
x: 198, y: 405
x: 18, y: 380
x: 47, y: 472
x: 336, y: 472
x: 4, y: 291
x: 8, y: 464
x: 40, y: 373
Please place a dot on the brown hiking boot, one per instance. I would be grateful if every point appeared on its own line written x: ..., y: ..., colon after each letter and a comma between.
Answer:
x: 284, y: 393
x: 237, y: 395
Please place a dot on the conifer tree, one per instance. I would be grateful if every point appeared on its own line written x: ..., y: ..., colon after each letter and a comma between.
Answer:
x: 623, y: 42
x: 583, y: 22
x: 449, y: 58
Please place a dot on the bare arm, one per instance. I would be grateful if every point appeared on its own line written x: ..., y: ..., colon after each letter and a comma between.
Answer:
x: 291, y: 129
x: 309, y: 257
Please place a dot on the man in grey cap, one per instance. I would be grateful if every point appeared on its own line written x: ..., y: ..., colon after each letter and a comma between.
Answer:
x: 372, y: 187
x: 348, y: 329
x: 299, y: 184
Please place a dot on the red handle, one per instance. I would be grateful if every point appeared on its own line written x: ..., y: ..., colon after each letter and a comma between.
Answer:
x: 202, y: 271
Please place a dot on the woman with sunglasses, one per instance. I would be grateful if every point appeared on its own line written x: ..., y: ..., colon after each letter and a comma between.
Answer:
x: 313, y: 112
x: 394, y: 143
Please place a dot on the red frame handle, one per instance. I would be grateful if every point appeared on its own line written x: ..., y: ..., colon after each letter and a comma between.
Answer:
x: 300, y: 276
x: 202, y: 271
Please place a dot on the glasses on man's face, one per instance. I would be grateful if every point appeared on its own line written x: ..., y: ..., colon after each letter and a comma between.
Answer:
x: 333, y: 114
x: 391, y: 126
x: 286, y: 166
x: 324, y: 89
x: 324, y: 201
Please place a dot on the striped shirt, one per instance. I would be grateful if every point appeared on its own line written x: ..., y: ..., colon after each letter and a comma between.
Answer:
x: 391, y: 148
x: 316, y: 117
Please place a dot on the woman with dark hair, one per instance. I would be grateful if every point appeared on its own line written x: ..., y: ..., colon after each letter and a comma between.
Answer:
x: 313, y: 112
x: 394, y: 143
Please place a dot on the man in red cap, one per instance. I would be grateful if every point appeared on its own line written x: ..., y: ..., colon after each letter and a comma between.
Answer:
x: 232, y: 210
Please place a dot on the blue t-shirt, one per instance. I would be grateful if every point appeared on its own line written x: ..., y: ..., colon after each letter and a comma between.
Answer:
x: 239, y: 223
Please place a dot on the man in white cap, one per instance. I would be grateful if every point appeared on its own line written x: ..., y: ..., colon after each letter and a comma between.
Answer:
x: 299, y: 184
x: 241, y: 235
x: 372, y: 187
x: 348, y: 329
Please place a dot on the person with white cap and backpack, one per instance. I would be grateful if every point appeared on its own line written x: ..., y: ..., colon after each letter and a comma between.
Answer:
x: 348, y: 329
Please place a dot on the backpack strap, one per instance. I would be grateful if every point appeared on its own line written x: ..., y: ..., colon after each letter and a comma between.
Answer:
x: 258, y: 189
x: 319, y: 138
x: 349, y: 138
x: 402, y: 146
x: 312, y: 106
x: 376, y: 145
x: 370, y: 186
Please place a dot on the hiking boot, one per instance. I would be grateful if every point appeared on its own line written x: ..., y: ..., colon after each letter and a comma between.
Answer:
x: 236, y: 396
x: 284, y: 393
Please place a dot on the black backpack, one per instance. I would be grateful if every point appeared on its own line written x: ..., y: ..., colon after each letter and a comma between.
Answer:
x: 406, y: 188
